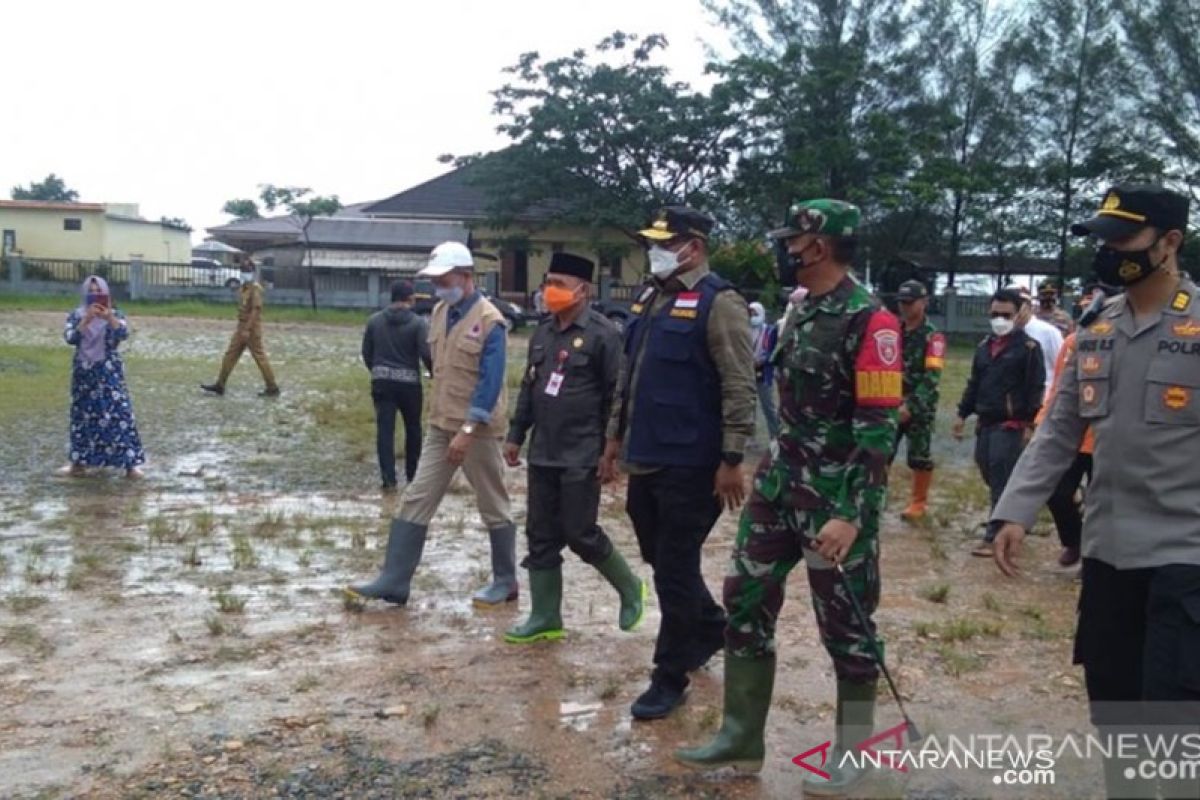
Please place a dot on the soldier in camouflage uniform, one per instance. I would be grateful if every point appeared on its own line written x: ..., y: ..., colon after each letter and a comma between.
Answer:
x: 818, y: 495
x: 924, y: 358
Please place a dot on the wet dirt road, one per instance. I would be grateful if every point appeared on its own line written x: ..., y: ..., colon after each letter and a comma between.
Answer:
x: 183, y: 636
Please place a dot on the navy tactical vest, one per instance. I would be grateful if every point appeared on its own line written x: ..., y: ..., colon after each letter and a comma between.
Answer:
x: 676, y: 417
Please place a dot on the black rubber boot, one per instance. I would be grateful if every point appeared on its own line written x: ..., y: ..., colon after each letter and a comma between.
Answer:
x: 406, y: 542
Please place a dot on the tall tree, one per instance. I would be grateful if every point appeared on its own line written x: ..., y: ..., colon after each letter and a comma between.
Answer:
x: 52, y: 189
x: 1165, y: 39
x: 974, y: 103
x: 600, y: 139
x: 827, y: 93
x: 1085, y: 133
x: 303, y: 208
x: 241, y: 209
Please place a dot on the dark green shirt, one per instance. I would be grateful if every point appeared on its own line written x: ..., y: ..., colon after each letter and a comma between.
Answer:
x: 568, y: 413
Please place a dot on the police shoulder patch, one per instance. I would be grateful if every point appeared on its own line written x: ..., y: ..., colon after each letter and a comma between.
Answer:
x: 1181, y: 301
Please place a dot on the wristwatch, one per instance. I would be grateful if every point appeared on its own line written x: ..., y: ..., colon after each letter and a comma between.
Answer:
x: 468, y: 428
x: 731, y: 458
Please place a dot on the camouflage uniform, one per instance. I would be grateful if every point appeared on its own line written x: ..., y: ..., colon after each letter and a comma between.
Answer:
x: 839, y: 361
x: 924, y: 358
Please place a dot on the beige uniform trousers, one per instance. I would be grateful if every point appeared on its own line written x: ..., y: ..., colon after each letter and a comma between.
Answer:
x: 483, y: 467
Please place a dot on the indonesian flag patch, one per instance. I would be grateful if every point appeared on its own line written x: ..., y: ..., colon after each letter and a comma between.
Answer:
x: 688, y: 300
x: 878, y: 370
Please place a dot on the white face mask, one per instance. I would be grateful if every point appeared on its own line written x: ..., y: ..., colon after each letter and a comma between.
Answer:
x: 1002, y: 326
x: 663, y: 262
x: 757, y: 320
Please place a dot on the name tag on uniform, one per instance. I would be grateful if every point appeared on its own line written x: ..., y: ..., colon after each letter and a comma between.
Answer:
x: 554, y: 384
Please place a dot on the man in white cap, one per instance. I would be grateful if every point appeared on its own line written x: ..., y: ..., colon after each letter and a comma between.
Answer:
x: 467, y: 422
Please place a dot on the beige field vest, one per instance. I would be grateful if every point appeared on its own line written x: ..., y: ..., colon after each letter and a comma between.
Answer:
x: 456, y: 354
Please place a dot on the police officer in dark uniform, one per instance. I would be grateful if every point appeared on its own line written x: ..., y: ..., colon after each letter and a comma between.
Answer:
x: 1135, y: 380
x: 679, y: 428
x: 566, y: 398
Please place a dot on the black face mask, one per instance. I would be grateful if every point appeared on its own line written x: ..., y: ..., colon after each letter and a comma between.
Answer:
x: 790, y: 262
x: 1124, y: 267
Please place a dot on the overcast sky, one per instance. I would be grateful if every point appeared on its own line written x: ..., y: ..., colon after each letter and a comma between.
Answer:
x: 181, y: 105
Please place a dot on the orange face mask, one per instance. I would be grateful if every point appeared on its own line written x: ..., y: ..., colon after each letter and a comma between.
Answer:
x: 558, y: 299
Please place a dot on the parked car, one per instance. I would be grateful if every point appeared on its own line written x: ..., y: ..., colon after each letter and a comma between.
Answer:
x: 202, y: 272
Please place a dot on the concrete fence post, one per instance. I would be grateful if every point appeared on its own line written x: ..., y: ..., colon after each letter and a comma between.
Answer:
x: 951, y: 300
x: 16, y: 272
x: 135, y: 279
x: 373, y: 291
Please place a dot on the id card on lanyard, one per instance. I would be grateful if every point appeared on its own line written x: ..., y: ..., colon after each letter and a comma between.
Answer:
x: 554, y: 384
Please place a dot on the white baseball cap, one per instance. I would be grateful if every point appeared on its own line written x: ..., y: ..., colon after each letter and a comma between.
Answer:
x: 446, y: 257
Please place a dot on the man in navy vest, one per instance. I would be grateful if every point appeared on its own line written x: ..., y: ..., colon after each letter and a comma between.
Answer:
x: 679, y: 426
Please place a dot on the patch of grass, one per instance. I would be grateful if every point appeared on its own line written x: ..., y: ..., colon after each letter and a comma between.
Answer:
x: 307, y: 684
x: 956, y: 662
x: 305, y: 559
x: 24, y: 603
x: 358, y: 540
x: 216, y: 626
x: 990, y: 603
x: 243, y: 555
x: 937, y: 593
x: 204, y: 523
x: 227, y: 654
x: 1032, y: 612
x: 162, y: 531
x: 228, y: 603
x: 192, y: 557
x: 36, y: 571
x: 962, y: 629
x: 959, y: 629
x: 3, y: 564
x: 353, y: 604
x: 429, y: 716
x: 28, y: 638
x: 611, y: 688
x: 194, y: 309
x: 270, y: 526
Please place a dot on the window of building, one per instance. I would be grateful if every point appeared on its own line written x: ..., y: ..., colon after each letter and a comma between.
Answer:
x: 612, y: 263
x: 72, y: 224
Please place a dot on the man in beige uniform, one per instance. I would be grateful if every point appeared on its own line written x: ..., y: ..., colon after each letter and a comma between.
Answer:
x: 467, y: 422
x: 1134, y: 378
x: 248, y: 336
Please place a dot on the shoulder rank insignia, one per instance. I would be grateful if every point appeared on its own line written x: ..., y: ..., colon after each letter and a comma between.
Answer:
x: 1100, y: 328
x: 1181, y: 301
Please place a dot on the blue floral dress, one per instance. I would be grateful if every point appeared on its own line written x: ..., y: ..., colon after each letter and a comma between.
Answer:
x: 103, y: 431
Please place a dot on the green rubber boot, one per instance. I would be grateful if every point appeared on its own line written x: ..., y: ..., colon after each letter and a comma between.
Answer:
x: 545, y: 616
x: 855, y: 724
x: 739, y: 743
x: 631, y: 588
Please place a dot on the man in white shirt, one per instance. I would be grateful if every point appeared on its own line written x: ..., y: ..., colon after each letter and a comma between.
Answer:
x: 1045, y: 334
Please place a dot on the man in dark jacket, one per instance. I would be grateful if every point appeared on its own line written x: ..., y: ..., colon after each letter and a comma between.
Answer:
x: 1008, y: 379
x: 394, y: 345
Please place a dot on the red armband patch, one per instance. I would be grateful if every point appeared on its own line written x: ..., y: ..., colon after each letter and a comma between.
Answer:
x: 935, y: 352
x: 878, y: 370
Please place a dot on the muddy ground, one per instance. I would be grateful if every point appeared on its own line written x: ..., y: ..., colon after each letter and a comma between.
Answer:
x: 182, y: 636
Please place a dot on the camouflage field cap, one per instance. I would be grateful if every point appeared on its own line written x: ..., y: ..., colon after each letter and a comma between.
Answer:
x: 824, y: 217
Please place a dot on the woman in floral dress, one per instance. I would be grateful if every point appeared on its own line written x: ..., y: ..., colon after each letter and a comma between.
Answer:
x: 103, y: 431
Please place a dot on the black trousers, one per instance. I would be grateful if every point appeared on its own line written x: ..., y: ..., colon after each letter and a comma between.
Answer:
x: 1068, y: 514
x: 1138, y: 640
x: 391, y: 397
x: 996, y: 452
x: 673, y: 510
x: 563, y: 504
